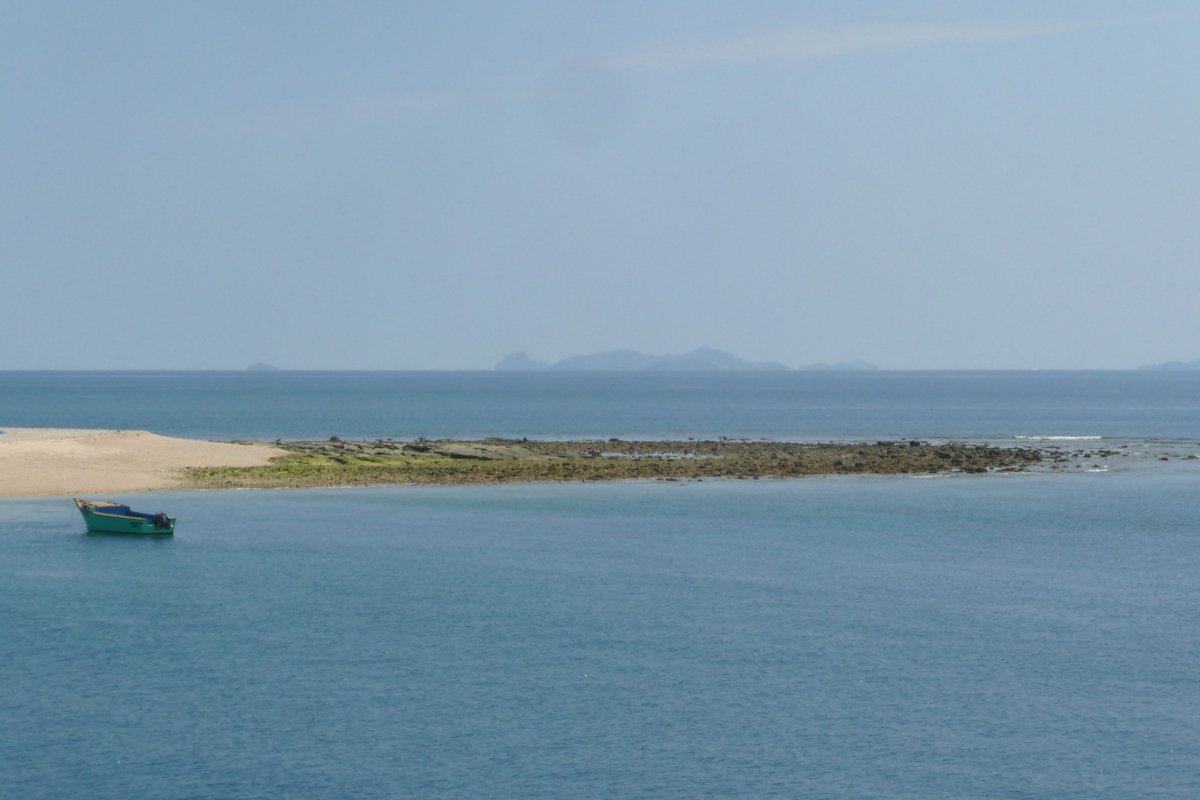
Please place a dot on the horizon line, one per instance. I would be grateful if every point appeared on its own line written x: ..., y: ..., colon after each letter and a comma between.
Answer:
x: 1146, y: 368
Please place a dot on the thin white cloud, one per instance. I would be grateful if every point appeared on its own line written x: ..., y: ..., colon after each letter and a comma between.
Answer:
x: 816, y: 42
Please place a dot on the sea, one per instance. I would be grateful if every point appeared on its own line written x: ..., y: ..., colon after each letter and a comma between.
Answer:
x: 983, y: 636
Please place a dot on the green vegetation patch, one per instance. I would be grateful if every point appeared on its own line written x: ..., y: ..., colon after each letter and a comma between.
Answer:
x: 337, y: 463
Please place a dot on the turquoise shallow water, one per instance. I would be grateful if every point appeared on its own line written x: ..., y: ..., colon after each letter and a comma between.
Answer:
x: 983, y: 637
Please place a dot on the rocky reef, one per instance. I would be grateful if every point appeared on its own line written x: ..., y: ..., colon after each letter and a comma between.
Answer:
x: 383, y: 461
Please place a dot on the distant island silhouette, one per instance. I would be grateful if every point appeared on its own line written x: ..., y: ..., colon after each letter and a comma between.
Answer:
x: 1171, y: 366
x: 857, y: 365
x: 702, y: 359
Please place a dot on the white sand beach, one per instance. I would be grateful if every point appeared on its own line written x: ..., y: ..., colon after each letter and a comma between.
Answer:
x: 59, y: 461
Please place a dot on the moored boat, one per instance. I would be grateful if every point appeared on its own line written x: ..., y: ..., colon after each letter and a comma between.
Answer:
x: 118, y: 518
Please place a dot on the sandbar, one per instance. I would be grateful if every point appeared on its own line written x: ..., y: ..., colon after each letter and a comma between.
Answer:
x: 61, y: 461
x: 46, y: 461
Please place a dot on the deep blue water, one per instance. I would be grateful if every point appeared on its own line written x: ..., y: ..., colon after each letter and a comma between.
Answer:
x: 790, y: 405
x: 995, y: 637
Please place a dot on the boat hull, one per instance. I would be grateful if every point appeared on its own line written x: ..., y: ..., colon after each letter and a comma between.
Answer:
x: 99, y: 522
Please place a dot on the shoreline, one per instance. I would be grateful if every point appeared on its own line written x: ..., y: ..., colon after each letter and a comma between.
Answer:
x: 38, y: 462
x: 65, y: 462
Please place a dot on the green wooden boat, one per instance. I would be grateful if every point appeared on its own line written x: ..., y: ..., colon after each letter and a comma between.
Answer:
x: 117, y: 518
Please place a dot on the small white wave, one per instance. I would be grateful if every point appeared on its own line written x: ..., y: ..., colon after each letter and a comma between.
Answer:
x: 1057, y: 438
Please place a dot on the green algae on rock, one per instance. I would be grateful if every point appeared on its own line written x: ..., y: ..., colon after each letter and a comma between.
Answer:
x: 363, y: 463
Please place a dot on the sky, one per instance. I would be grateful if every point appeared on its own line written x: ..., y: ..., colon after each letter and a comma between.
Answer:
x: 947, y: 185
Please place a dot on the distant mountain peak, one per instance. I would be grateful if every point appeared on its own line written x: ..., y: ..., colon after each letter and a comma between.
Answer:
x: 1172, y: 366
x: 519, y: 362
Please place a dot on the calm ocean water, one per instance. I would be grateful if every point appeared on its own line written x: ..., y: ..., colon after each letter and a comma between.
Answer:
x: 966, y: 637
x: 1013, y: 637
x: 790, y: 405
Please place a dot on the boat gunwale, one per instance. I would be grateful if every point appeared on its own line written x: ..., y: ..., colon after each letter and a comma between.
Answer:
x: 122, y: 516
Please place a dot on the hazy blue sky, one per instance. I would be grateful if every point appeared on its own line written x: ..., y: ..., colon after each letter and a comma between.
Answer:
x: 436, y: 185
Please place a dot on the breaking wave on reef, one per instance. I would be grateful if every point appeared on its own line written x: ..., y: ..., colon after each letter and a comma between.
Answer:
x: 1057, y: 438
